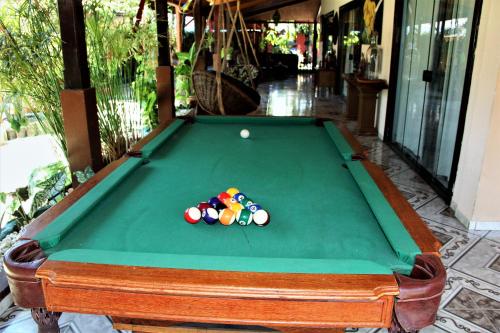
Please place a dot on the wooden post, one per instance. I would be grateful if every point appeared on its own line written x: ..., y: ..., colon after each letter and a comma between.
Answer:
x: 315, y: 46
x: 199, y: 26
x: 164, y: 71
x: 179, y: 27
x: 78, y: 99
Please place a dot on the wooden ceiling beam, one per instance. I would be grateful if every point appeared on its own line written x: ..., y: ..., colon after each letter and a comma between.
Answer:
x: 272, y: 6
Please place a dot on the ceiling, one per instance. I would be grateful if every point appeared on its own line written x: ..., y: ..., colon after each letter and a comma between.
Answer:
x: 262, y: 10
x: 303, y: 11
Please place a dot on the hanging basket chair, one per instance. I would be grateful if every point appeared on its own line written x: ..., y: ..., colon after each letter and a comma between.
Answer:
x: 238, y: 98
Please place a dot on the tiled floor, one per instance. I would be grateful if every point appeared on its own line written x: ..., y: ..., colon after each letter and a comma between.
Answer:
x: 471, y: 302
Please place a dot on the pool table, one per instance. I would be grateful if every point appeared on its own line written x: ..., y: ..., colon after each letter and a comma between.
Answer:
x: 340, y: 240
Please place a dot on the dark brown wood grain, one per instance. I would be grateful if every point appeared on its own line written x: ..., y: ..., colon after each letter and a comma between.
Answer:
x: 81, y: 127
x: 162, y: 326
x: 165, y: 92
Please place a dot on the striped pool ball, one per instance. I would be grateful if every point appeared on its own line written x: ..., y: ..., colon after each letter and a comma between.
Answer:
x: 246, y: 202
x: 229, y: 201
x: 192, y: 215
x: 232, y: 191
x: 261, y: 218
x: 226, y: 216
x: 210, y: 215
x: 244, y: 217
x: 255, y: 207
x: 239, y: 197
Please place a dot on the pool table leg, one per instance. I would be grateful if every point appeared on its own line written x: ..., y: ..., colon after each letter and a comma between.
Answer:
x: 47, y: 321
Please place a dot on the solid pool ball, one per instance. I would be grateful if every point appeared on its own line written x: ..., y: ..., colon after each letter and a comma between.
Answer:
x: 244, y: 133
x: 192, y: 215
x: 223, y: 196
x: 226, y: 216
x: 216, y: 203
x: 204, y: 205
x: 232, y: 191
x: 261, y: 218
x: 210, y: 215
x: 236, y: 207
x: 244, y: 217
x: 255, y: 207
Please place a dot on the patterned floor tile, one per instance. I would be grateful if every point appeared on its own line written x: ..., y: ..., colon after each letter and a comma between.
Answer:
x: 388, y: 161
x: 455, y: 242
x: 438, y: 211
x: 494, y: 235
x: 417, y: 197
x: 482, y: 261
x: 410, y: 178
x: 469, y: 305
x: 17, y: 320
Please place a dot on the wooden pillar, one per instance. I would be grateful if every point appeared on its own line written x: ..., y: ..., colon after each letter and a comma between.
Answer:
x: 164, y: 71
x: 179, y: 27
x: 78, y: 99
x: 315, y: 44
x: 199, y: 26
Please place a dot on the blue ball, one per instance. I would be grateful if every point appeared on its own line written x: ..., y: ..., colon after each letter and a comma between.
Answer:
x: 255, y: 207
x: 216, y: 203
x: 210, y: 215
x: 239, y: 197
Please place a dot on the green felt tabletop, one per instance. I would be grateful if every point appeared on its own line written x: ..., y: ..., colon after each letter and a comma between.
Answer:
x: 327, y: 215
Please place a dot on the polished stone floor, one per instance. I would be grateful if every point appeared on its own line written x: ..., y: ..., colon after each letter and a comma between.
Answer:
x: 471, y: 302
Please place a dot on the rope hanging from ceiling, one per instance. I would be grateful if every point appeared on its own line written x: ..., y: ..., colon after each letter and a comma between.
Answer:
x: 229, y: 92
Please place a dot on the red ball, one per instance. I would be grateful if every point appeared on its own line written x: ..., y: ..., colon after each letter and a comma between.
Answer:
x: 192, y: 215
x: 223, y: 196
x: 204, y: 205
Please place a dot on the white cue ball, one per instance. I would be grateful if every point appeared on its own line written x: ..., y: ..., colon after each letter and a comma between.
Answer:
x: 245, y: 133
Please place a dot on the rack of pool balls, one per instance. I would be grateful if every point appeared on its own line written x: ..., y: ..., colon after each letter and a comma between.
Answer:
x: 228, y: 207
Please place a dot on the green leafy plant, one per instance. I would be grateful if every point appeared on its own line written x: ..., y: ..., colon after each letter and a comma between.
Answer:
x: 279, y: 40
x: 209, y: 41
x: 352, y: 38
x: 121, y: 65
x: 16, y: 117
x: 303, y: 28
x: 46, y: 187
x: 31, y: 66
x: 83, y: 176
x: 245, y: 73
x: 227, y: 53
x: 183, y: 83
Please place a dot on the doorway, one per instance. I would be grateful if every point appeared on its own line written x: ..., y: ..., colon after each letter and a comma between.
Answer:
x: 435, y: 56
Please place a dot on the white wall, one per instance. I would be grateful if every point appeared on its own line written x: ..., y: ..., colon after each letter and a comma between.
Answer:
x: 476, y: 198
x: 386, y: 46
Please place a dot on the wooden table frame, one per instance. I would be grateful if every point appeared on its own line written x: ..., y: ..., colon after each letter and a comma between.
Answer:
x: 276, y: 300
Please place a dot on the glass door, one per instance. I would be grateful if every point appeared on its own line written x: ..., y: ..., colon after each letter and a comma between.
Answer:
x: 435, y: 41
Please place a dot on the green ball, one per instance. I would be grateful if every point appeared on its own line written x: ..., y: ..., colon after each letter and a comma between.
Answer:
x: 244, y: 217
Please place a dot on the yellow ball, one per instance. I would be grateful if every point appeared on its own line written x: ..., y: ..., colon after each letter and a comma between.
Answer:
x: 236, y: 207
x: 232, y: 191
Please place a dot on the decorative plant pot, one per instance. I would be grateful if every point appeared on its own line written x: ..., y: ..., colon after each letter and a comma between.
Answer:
x: 11, y: 134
